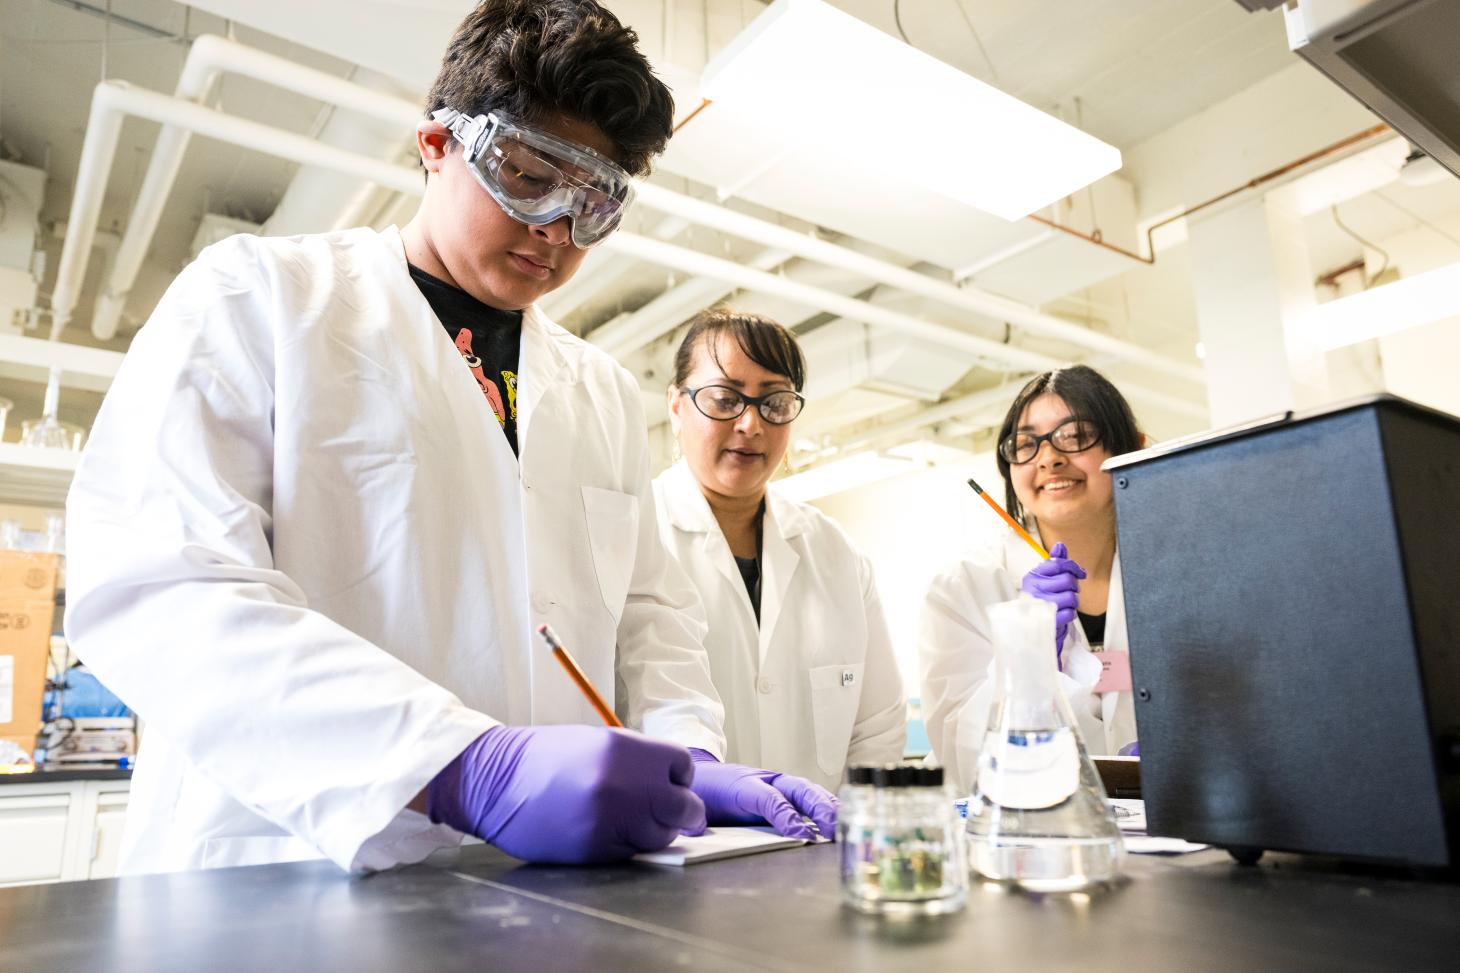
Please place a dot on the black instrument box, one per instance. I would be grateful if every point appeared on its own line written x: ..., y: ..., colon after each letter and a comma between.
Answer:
x: 1292, y: 591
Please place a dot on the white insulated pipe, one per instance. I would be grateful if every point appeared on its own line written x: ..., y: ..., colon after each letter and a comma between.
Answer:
x: 664, y: 313
x: 986, y: 399
x: 968, y: 299
x: 209, y: 57
x: 600, y: 273
x: 114, y: 100
x: 816, y: 298
x: 995, y: 401
x: 103, y: 128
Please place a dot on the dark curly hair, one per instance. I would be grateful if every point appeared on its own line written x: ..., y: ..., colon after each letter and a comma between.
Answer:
x: 533, y: 59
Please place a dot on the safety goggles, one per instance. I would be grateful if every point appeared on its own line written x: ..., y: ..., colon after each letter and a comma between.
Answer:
x: 1070, y: 436
x: 723, y: 403
x: 538, y: 178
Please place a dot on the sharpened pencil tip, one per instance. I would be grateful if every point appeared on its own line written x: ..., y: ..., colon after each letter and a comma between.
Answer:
x: 973, y: 483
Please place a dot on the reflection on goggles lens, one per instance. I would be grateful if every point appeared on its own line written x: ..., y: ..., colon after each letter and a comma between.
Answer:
x: 538, y: 178
x: 531, y: 176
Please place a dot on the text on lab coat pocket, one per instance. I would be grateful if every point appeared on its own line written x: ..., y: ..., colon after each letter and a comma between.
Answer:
x: 613, y: 532
x: 835, y: 693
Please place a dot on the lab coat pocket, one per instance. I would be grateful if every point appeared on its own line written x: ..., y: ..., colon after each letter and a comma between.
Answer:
x: 613, y: 532
x: 835, y: 693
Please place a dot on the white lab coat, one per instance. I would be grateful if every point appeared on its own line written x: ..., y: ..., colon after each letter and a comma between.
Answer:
x: 956, y: 657
x: 302, y: 550
x: 814, y: 685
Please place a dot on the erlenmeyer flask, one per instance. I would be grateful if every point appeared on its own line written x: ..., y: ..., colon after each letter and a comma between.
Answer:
x: 1038, y: 816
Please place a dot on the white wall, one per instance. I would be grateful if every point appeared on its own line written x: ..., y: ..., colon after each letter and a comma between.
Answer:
x: 911, y: 527
x: 1423, y: 363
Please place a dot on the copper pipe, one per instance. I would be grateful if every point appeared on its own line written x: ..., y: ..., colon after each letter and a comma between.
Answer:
x: 1094, y: 238
x: 704, y: 103
x: 1252, y: 183
x: 1330, y: 279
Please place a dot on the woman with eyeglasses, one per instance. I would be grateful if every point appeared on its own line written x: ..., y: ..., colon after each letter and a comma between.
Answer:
x: 1061, y: 426
x: 799, y: 648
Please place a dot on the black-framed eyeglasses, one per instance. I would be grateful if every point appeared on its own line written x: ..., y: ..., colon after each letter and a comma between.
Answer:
x: 722, y: 403
x: 1070, y: 436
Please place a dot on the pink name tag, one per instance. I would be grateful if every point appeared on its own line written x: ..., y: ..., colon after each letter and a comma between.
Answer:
x: 1114, y: 673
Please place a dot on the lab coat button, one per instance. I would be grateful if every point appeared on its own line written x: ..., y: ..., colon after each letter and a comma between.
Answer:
x: 763, y: 684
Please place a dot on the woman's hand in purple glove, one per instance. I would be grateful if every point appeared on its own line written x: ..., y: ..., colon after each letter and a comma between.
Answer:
x: 1057, y: 581
x: 736, y: 794
x: 570, y: 794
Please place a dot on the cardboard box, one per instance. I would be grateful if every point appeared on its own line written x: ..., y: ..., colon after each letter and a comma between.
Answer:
x: 27, y: 605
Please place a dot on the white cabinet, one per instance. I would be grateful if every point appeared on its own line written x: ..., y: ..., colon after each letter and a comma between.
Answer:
x: 106, y: 833
x: 60, y: 831
x: 33, y: 838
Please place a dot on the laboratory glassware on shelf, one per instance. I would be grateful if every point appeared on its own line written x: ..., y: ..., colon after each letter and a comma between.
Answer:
x: 902, y: 845
x: 50, y: 433
x: 1038, y: 816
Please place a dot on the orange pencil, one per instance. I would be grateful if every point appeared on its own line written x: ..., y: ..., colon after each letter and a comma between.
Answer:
x: 1028, y: 539
x: 561, y: 654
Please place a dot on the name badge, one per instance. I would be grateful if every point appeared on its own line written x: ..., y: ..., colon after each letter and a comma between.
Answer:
x: 1114, y: 672
x: 848, y: 677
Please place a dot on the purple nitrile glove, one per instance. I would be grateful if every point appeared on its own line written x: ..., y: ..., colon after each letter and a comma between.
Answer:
x: 736, y: 794
x: 1129, y: 750
x: 1057, y: 581
x: 568, y: 794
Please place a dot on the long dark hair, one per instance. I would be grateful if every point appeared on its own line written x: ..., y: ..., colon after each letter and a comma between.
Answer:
x: 1091, y: 397
x: 763, y: 341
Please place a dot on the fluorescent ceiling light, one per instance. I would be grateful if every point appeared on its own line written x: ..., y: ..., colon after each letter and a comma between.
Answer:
x: 831, y: 90
x: 1421, y: 299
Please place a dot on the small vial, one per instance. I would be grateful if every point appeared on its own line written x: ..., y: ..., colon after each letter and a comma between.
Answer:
x: 902, y: 844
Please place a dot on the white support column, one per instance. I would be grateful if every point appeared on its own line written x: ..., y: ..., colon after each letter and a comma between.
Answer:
x: 1251, y: 272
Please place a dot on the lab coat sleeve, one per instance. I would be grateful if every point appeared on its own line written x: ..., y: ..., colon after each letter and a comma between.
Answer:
x: 663, y: 670
x: 879, y: 734
x: 175, y: 602
x: 955, y: 661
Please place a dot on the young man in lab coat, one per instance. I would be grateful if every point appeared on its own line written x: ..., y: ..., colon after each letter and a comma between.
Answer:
x: 340, y: 477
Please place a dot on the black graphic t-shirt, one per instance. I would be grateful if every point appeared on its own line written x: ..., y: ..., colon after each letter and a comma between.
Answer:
x: 490, y: 342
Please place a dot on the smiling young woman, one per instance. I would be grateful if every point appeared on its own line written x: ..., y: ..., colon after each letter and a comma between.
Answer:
x: 1058, y: 431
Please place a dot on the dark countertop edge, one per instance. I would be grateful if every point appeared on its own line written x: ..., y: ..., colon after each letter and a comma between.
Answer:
x: 63, y: 776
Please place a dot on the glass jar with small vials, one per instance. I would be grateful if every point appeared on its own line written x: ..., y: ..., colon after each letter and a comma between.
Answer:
x: 902, y: 845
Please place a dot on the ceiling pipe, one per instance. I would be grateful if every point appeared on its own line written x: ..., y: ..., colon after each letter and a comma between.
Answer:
x: 748, y: 278
x: 601, y: 272
x: 319, y: 200
x: 210, y: 57
x: 114, y: 100
x: 997, y: 398
x: 880, y: 271
x: 663, y: 314
x: 992, y: 402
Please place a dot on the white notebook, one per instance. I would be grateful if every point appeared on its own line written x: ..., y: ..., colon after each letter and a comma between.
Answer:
x: 719, y: 843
